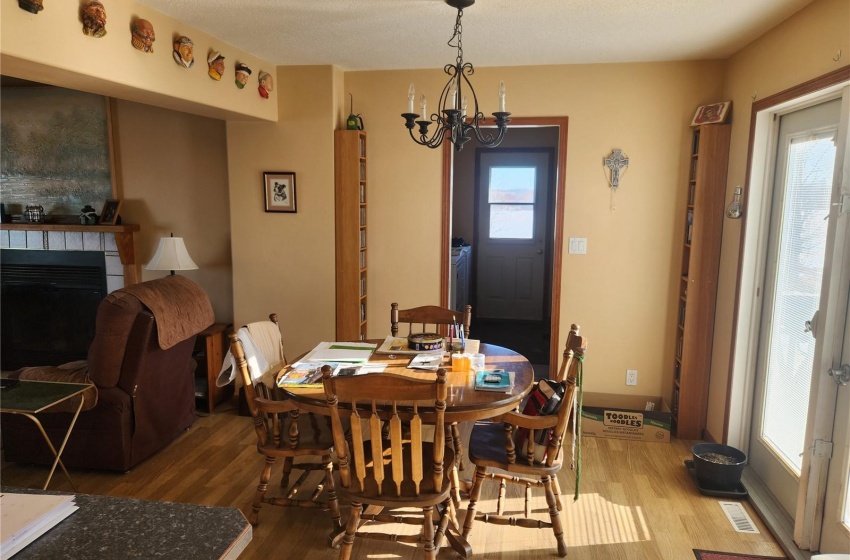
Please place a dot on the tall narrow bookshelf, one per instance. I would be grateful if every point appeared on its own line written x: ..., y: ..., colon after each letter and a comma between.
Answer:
x: 704, y: 212
x: 350, y: 231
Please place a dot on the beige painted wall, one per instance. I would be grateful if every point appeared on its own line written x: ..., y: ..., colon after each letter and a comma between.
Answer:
x: 620, y: 291
x: 284, y: 263
x: 51, y: 48
x: 794, y: 52
x: 174, y: 170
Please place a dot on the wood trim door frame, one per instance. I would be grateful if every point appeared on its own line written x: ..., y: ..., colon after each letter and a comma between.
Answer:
x: 558, y: 241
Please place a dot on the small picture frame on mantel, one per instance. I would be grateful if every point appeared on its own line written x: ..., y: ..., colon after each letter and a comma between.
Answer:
x: 279, y: 189
x: 109, y: 214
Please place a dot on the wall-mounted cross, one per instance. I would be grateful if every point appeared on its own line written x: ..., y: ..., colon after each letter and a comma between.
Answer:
x: 615, y: 162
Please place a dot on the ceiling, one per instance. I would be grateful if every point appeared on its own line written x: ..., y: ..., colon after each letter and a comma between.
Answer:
x: 399, y: 34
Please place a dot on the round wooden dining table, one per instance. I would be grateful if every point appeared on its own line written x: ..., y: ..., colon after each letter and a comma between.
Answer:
x: 464, y: 403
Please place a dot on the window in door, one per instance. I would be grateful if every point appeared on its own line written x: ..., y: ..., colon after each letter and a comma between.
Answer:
x: 799, y: 272
x: 510, y: 197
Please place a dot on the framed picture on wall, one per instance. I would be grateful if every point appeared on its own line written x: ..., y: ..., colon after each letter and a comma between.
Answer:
x: 711, y: 114
x: 279, y: 188
x: 109, y: 214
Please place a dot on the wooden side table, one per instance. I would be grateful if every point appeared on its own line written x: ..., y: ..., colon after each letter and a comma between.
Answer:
x: 210, y: 348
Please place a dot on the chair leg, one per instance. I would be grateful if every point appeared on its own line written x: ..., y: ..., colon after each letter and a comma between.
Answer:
x: 555, y: 515
x: 287, y: 469
x: 428, y: 533
x: 557, y: 487
x: 457, y: 445
x: 350, y: 530
x: 261, y: 490
x: 333, y: 501
x: 474, y: 494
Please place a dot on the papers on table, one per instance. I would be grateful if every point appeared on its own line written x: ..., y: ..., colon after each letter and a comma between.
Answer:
x: 25, y: 517
x: 351, y: 352
x: 428, y: 361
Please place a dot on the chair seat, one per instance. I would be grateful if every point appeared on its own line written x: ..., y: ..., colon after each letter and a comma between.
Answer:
x: 308, y: 442
x: 487, y: 449
x: 428, y: 495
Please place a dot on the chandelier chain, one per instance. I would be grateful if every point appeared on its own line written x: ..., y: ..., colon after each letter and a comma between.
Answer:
x: 459, y: 35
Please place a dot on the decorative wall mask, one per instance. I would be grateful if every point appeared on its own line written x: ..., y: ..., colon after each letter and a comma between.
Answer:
x: 216, y: 63
x: 184, y: 51
x: 32, y: 6
x: 266, y: 84
x: 94, y: 19
x: 143, y: 35
x: 242, y: 73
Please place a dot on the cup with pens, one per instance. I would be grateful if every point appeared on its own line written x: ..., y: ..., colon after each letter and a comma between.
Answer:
x: 460, y: 360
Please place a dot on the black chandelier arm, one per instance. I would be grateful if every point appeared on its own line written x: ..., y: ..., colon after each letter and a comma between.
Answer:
x: 421, y: 137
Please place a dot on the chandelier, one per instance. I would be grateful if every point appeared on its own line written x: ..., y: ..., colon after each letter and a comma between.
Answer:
x: 453, y: 121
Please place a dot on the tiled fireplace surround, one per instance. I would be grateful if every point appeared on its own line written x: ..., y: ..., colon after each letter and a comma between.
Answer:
x: 116, y: 242
x: 70, y: 241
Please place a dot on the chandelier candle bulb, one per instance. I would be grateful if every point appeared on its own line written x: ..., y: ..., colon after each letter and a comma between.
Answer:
x: 502, y: 96
x: 422, y: 107
x: 411, y: 95
x: 463, y: 107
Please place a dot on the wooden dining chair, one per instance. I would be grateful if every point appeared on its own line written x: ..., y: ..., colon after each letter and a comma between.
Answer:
x: 492, y: 446
x: 440, y: 318
x: 398, y: 473
x: 279, y: 427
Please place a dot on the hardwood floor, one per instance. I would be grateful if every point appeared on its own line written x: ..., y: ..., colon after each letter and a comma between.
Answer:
x: 637, y: 501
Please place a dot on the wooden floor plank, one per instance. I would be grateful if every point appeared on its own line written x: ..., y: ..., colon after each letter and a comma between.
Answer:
x: 637, y: 501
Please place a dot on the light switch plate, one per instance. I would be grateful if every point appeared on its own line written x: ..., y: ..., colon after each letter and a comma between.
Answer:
x: 578, y: 245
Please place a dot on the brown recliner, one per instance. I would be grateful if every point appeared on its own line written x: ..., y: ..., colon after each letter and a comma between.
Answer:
x: 141, y: 364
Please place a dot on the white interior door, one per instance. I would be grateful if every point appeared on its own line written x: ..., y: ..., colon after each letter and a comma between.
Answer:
x: 798, y: 283
x: 513, y: 189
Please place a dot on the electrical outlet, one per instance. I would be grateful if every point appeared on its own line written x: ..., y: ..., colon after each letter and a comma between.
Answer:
x: 631, y: 377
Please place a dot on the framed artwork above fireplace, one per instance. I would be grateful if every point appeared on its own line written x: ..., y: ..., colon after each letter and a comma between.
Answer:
x: 56, y: 150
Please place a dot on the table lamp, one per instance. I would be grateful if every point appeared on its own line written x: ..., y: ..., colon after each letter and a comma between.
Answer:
x: 171, y: 254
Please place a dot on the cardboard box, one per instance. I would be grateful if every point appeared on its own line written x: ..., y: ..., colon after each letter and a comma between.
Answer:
x: 625, y: 417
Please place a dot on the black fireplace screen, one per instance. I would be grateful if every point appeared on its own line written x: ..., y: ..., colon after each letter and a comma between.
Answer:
x: 48, y: 303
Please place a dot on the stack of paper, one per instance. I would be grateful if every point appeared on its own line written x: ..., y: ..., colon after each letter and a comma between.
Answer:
x: 351, y: 352
x: 25, y: 517
x: 430, y: 362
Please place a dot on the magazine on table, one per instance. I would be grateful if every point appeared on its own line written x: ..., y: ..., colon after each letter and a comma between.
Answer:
x: 498, y: 381
x: 309, y: 374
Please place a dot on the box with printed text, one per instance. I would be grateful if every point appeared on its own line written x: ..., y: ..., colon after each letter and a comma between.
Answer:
x: 625, y: 417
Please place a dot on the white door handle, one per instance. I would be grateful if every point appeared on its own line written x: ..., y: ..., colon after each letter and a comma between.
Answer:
x: 811, y: 326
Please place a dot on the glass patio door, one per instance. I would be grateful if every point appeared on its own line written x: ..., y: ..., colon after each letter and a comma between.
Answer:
x: 797, y: 263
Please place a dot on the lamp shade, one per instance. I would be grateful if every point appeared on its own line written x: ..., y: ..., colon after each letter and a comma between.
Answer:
x: 171, y: 255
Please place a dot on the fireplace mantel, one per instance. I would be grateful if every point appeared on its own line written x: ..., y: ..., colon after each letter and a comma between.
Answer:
x: 124, y: 240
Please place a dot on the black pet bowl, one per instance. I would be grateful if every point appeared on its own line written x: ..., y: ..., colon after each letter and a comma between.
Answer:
x: 716, y: 475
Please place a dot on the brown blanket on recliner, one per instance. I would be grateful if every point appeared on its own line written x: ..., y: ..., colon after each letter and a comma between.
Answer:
x: 181, y: 307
